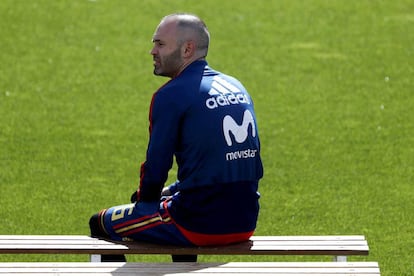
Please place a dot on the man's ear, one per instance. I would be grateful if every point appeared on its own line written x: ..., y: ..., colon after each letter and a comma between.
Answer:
x: 189, y: 49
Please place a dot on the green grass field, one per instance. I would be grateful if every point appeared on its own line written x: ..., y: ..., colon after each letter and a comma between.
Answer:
x: 332, y: 83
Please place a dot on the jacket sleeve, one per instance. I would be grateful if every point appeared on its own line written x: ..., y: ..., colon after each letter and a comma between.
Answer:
x: 163, y: 132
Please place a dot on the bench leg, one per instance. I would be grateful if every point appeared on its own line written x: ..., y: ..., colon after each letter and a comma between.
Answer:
x: 340, y: 259
x: 107, y: 258
x: 95, y: 258
x: 184, y: 258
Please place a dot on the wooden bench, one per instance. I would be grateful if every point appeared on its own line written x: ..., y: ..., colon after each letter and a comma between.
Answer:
x: 195, y: 269
x: 337, y: 246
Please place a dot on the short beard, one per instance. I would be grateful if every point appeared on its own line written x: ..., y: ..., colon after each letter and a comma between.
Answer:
x: 170, y: 65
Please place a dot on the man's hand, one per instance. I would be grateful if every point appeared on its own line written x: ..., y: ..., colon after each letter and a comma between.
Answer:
x: 134, y: 197
x: 166, y: 192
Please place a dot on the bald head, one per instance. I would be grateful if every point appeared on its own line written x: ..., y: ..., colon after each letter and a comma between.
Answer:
x: 190, y: 28
x: 179, y: 40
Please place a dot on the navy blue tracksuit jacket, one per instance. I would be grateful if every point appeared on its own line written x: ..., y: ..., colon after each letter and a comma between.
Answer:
x: 206, y: 120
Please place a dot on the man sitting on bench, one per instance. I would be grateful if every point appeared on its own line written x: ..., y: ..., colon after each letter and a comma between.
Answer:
x: 207, y: 121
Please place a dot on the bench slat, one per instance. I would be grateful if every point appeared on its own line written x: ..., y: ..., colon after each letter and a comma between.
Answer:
x: 310, y: 238
x: 254, y: 242
x: 258, y: 245
x: 198, y: 269
x: 255, y: 238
